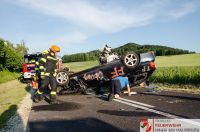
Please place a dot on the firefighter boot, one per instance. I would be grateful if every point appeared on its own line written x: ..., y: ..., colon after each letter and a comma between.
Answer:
x: 37, y: 97
x: 53, y: 99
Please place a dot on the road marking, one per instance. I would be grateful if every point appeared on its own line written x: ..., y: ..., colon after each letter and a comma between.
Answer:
x: 130, y: 101
x: 147, y: 109
x: 135, y: 102
x: 158, y: 112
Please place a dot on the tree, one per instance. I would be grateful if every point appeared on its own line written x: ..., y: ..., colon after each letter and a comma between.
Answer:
x: 22, y: 48
x: 11, y: 57
x: 2, y: 53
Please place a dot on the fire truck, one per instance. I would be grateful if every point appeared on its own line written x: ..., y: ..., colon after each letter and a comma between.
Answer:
x: 29, y: 65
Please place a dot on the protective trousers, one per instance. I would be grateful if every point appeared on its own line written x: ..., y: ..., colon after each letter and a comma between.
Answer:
x: 43, y: 84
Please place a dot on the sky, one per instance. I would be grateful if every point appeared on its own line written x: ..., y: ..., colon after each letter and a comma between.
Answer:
x: 85, y: 25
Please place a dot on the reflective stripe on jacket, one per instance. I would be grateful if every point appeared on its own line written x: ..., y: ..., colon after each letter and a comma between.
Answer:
x: 48, y: 64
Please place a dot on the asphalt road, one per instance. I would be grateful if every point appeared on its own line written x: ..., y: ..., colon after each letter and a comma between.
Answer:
x: 91, y: 113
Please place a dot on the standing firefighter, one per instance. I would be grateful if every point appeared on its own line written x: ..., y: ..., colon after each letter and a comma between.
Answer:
x: 34, y: 81
x: 47, y: 74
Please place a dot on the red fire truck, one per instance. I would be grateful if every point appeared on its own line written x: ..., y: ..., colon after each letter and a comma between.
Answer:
x: 29, y: 65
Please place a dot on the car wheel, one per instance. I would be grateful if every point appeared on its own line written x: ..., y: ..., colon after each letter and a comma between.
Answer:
x: 62, y: 78
x: 131, y: 60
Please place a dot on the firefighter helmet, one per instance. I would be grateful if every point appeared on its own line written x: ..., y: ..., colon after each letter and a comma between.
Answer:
x: 44, y: 52
x: 55, y: 48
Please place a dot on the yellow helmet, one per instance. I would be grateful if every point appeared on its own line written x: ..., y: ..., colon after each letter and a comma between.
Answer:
x: 45, y: 52
x: 55, y: 48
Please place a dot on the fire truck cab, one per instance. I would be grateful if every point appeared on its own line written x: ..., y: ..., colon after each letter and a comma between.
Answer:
x: 29, y: 64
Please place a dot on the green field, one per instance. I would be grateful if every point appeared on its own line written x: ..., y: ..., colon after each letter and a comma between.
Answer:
x: 178, y: 60
x: 177, y: 75
x: 78, y: 66
x: 178, y: 69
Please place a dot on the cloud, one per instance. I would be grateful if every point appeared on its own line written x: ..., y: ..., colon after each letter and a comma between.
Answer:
x: 183, y: 9
x: 90, y: 17
x: 110, y: 17
x: 71, y: 38
x: 66, y: 41
x: 69, y: 42
x: 103, y: 18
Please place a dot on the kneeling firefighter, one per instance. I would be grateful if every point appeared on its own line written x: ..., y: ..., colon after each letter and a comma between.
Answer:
x: 48, y: 70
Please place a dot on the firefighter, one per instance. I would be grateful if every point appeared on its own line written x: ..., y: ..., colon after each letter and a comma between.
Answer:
x: 35, y: 78
x: 47, y: 74
x: 32, y: 61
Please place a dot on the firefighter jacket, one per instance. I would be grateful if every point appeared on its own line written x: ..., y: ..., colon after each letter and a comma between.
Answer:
x: 37, y: 69
x: 48, y: 65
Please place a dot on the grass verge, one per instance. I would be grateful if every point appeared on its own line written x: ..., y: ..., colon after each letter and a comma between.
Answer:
x: 11, y: 93
x: 7, y: 76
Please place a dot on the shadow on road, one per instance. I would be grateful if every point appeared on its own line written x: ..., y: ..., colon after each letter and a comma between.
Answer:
x: 62, y: 106
x: 5, y: 116
x: 10, y: 120
x: 75, y: 125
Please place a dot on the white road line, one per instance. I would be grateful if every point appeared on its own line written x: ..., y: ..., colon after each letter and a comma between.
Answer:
x: 135, y: 102
x: 147, y: 109
x: 158, y: 112
x: 131, y: 101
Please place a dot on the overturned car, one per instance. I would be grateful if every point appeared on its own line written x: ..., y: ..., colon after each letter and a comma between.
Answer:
x: 137, y: 67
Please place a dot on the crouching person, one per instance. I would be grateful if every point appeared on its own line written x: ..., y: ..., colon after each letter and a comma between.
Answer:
x: 117, y: 85
x: 47, y: 68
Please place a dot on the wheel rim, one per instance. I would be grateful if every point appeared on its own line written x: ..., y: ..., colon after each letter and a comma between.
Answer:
x: 62, y: 77
x: 131, y: 60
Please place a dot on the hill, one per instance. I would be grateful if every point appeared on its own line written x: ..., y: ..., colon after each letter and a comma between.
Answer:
x: 158, y: 49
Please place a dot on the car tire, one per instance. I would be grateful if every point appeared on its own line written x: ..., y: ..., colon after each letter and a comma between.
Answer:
x: 62, y: 78
x: 131, y: 60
